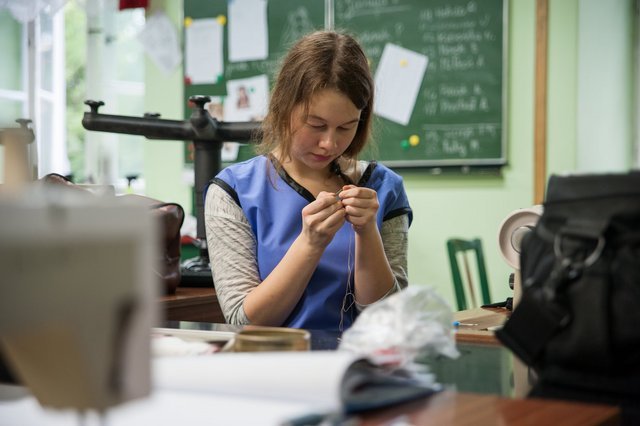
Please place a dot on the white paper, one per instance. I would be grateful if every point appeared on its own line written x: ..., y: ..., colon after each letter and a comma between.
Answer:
x: 398, y: 80
x: 246, y: 99
x: 203, y: 51
x: 305, y: 377
x: 248, y: 32
x: 229, y: 151
x: 259, y: 388
x: 160, y: 42
x: 164, y: 407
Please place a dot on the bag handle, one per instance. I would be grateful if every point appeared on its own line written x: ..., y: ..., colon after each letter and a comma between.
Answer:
x: 567, y: 268
x: 588, y: 261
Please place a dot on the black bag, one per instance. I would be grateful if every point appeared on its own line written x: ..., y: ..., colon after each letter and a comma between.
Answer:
x: 578, y: 322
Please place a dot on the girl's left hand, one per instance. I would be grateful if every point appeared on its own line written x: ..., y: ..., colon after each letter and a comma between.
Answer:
x: 361, y: 205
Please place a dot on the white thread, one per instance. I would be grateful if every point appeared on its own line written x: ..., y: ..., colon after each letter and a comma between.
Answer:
x: 348, y: 293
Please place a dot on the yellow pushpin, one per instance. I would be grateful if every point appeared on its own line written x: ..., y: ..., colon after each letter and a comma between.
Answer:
x: 188, y: 21
x: 404, y: 63
x: 222, y: 20
x: 414, y: 140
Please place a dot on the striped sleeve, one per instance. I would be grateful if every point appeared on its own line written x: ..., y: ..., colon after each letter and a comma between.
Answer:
x: 232, y: 248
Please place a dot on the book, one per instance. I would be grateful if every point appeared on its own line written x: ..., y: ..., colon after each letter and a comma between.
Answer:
x: 328, y: 381
x: 283, y: 388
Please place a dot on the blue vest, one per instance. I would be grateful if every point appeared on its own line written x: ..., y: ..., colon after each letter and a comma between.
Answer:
x: 273, y: 203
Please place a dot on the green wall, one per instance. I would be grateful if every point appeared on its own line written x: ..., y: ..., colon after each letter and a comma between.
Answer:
x: 448, y: 205
x: 473, y: 206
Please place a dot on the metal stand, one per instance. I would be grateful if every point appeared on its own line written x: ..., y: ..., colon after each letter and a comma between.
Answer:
x: 207, y: 135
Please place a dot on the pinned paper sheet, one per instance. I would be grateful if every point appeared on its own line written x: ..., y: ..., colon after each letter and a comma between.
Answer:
x: 398, y: 79
x: 248, y: 34
x: 160, y: 41
x: 246, y: 99
x: 203, y: 51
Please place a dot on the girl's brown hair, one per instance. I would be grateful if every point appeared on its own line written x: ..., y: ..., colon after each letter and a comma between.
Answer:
x: 318, y: 61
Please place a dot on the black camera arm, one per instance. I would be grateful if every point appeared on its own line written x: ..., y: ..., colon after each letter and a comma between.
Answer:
x: 206, y: 133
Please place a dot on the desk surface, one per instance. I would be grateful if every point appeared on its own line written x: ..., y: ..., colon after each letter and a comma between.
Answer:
x: 452, y: 408
x: 192, y: 304
x: 475, y: 324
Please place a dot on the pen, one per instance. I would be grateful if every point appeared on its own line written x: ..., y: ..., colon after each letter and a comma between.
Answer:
x: 465, y: 324
x: 337, y: 194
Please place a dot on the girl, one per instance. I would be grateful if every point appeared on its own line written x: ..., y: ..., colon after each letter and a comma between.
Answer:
x: 305, y: 235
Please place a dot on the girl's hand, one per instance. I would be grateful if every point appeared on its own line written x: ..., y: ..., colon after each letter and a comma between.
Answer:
x: 361, y: 206
x: 322, y: 219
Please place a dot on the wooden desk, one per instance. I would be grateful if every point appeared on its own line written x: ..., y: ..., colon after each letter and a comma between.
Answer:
x: 474, y: 323
x: 449, y: 408
x: 471, y: 407
x: 192, y: 304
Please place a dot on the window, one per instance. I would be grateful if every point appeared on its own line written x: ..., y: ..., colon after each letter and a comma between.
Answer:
x: 52, y: 64
x: 32, y: 84
x: 49, y: 90
x: 106, y: 64
x: 13, y: 94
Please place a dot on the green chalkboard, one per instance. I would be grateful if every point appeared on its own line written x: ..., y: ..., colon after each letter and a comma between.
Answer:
x: 287, y: 20
x: 458, y: 115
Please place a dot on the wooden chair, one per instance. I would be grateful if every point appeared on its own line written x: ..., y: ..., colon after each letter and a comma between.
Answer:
x: 458, y: 250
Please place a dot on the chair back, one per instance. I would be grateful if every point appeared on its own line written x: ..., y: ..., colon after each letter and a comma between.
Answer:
x: 464, y: 280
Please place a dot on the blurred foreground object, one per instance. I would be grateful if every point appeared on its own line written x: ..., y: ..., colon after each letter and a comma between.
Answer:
x: 170, y: 217
x: 17, y: 156
x: 577, y: 322
x: 78, y: 296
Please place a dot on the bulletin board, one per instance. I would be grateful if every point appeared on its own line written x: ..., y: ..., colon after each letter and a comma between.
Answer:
x: 439, y: 67
x: 287, y: 21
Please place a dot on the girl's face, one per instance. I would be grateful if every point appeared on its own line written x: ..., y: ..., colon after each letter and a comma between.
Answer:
x: 325, y: 133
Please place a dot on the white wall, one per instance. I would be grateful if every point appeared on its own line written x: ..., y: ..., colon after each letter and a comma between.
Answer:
x: 605, y: 100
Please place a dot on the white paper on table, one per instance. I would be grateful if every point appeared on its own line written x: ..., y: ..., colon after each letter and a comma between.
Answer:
x: 265, y: 388
x: 281, y: 376
x: 248, y: 32
x: 246, y: 99
x: 160, y: 41
x: 203, y: 51
x: 398, y: 80
x: 162, y: 408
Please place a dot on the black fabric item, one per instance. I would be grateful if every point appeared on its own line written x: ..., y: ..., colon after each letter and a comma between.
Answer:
x: 578, y: 322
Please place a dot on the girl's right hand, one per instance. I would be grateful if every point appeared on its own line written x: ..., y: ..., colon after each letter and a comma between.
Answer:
x: 322, y: 219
